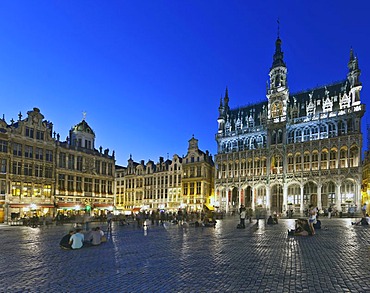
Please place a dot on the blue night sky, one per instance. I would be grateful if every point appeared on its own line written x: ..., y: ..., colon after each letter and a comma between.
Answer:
x: 150, y: 74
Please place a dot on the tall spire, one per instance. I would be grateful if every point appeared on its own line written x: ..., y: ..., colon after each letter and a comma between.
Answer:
x: 353, y: 69
x: 278, y: 56
x: 226, y: 99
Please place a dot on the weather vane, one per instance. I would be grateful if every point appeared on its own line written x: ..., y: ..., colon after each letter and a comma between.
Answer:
x: 83, y: 115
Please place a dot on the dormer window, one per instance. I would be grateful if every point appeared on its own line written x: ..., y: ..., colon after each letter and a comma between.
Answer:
x: 345, y: 102
x: 251, y: 121
x: 327, y: 105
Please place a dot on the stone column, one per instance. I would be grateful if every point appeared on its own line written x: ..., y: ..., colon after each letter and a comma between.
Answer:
x: 253, y: 198
x: 338, y: 198
x: 268, y: 199
x: 302, y: 205
x: 358, y: 197
x: 285, y: 197
x: 319, y: 200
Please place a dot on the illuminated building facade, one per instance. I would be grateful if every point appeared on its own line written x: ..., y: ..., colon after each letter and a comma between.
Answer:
x: 40, y: 174
x: 85, y: 176
x: 167, y: 185
x: 198, y: 179
x: 366, y: 174
x: 149, y: 186
x: 293, y: 149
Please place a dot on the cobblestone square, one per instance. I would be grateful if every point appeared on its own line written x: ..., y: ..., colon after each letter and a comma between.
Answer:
x: 171, y: 258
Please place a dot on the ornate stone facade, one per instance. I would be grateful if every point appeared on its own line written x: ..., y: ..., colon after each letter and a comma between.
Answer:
x: 293, y: 149
x: 41, y: 174
x: 167, y: 185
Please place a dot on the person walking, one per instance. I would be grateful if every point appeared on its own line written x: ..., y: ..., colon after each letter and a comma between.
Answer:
x: 109, y: 220
x: 363, y: 209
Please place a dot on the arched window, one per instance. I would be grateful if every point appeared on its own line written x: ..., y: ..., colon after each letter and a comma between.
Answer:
x: 332, y: 130
x: 306, y: 161
x: 342, y: 128
x: 354, y: 157
x: 315, y: 160
x: 333, y: 159
x: 315, y: 132
x: 290, y: 163
x: 298, y: 135
x: 324, y: 159
x: 298, y: 162
x: 291, y: 136
x: 306, y: 134
x: 343, y: 158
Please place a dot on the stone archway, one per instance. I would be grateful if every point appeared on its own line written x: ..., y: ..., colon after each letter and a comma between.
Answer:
x: 234, y: 203
x: 277, y: 199
x: 248, y: 198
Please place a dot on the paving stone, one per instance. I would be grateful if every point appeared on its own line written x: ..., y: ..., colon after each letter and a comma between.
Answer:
x: 176, y: 259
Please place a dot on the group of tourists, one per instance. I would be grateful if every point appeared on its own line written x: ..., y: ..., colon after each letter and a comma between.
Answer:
x: 365, y: 220
x: 76, y: 239
x: 306, y: 227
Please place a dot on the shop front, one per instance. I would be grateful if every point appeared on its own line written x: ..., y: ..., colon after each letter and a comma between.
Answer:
x: 18, y: 211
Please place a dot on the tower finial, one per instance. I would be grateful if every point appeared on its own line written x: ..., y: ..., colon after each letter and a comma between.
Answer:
x: 84, y: 115
x: 278, y: 31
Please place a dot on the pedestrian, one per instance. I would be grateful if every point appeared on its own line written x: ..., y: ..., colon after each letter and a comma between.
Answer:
x: 109, y: 220
x: 312, y: 218
x: 64, y: 243
x: 330, y: 209
x: 363, y: 209
x: 242, y: 216
x: 77, y: 239
x: 87, y: 220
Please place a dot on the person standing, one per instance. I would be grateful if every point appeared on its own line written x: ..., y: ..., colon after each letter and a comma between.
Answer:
x: 363, y: 209
x: 77, y: 240
x: 312, y: 218
x: 109, y: 220
x: 243, y: 214
x: 330, y: 209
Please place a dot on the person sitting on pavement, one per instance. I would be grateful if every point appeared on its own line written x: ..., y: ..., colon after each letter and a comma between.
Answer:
x: 302, y: 228
x: 64, y: 243
x: 364, y: 221
x: 77, y: 239
x: 270, y: 220
x: 96, y: 236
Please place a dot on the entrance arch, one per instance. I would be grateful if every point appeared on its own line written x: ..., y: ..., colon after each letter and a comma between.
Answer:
x: 277, y: 199
x: 248, y: 197
x: 234, y: 203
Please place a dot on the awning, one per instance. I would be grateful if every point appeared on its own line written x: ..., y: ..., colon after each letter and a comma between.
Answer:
x: 35, y: 206
x: 20, y: 205
x: 135, y: 210
x: 70, y: 205
x: 44, y: 205
x: 102, y: 205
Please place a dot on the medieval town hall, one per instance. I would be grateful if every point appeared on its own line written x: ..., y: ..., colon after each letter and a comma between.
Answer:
x: 293, y: 149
